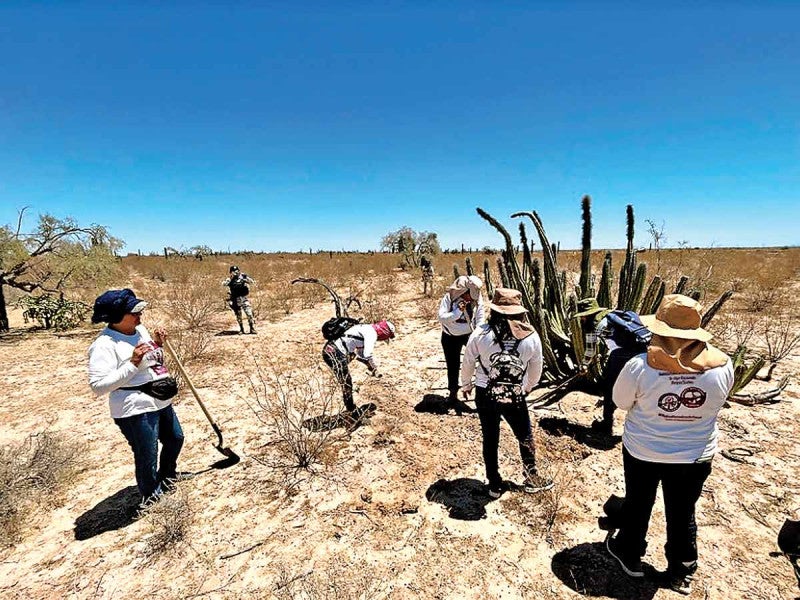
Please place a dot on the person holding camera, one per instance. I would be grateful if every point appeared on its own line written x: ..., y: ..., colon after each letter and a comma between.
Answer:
x: 461, y: 312
x: 126, y: 363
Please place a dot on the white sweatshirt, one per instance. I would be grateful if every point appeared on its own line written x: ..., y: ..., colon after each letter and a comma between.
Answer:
x: 456, y: 322
x: 110, y: 368
x: 482, y: 344
x: 672, y: 417
x: 359, y: 341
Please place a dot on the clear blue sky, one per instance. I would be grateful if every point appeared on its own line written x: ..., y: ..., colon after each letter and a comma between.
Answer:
x: 282, y: 126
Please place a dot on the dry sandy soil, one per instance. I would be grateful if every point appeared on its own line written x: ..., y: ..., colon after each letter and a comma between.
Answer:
x: 395, y: 509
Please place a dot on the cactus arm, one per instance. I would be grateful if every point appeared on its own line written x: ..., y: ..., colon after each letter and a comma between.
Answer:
x: 714, y: 309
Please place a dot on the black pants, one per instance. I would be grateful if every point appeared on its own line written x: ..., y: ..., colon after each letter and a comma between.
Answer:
x: 452, y: 345
x: 516, y: 415
x: 617, y: 359
x: 682, y: 484
x: 339, y: 364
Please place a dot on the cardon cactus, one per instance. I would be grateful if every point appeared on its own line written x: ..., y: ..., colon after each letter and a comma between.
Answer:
x: 487, y: 277
x: 586, y: 247
x: 468, y: 263
x: 544, y: 293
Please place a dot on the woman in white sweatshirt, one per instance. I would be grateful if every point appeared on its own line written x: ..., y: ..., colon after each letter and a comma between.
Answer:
x: 461, y: 312
x: 672, y: 395
x: 128, y: 365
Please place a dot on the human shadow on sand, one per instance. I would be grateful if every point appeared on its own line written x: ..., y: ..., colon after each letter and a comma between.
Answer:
x: 115, y: 512
x: 465, y: 498
x: 228, y: 332
x: 348, y: 420
x: 436, y: 404
x: 589, y: 570
x: 557, y: 426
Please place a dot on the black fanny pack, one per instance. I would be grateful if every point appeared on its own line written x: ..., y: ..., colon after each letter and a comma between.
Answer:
x: 160, y: 389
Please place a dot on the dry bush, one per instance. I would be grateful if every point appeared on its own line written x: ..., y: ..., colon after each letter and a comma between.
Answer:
x: 338, y: 580
x: 169, y: 520
x: 193, y: 299
x: 733, y: 330
x: 779, y: 337
x: 33, y: 474
x: 283, y: 398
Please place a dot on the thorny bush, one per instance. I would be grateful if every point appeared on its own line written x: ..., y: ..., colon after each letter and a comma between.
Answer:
x: 169, y: 520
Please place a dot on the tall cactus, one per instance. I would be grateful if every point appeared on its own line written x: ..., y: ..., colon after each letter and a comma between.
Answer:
x: 586, y: 247
x: 680, y: 287
x: 638, y: 286
x: 526, y: 254
x: 501, y: 268
x: 456, y: 274
x: 628, y: 270
x: 604, y: 289
x: 468, y: 263
x: 652, y: 298
x: 487, y: 276
x: 714, y: 309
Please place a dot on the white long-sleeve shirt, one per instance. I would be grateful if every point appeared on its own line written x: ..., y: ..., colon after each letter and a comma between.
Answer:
x: 482, y: 344
x: 359, y: 341
x: 110, y: 368
x: 672, y: 417
x: 457, y: 322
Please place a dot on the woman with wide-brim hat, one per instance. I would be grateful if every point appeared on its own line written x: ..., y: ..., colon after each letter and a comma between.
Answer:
x: 505, y: 358
x: 672, y: 395
x: 460, y: 313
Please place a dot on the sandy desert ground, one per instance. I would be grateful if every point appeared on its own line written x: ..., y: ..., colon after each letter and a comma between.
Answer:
x: 393, y: 509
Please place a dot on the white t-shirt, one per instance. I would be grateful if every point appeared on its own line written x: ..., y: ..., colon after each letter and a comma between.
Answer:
x: 359, y: 341
x: 456, y: 322
x: 110, y: 368
x: 482, y: 344
x: 672, y: 417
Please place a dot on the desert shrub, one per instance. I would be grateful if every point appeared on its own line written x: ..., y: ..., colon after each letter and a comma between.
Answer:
x: 779, y: 337
x: 338, y: 580
x: 54, y: 312
x: 33, y: 474
x: 169, y: 520
x: 193, y: 299
x: 283, y: 398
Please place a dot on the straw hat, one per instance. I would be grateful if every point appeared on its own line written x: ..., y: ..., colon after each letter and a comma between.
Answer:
x: 678, y: 316
x: 507, y: 301
x: 588, y: 307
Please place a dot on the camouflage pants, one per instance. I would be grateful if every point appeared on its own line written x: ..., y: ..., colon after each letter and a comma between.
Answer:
x: 239, y: 305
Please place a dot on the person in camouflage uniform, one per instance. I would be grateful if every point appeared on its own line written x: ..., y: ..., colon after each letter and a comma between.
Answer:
x: 238, y: 285
x: 427, y: 275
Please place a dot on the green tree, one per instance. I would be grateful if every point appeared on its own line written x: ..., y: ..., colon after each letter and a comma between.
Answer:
x: 411, y: 244
x: 57, y: 255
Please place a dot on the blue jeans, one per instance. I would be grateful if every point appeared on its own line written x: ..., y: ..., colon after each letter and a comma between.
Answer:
x: 143, y: 432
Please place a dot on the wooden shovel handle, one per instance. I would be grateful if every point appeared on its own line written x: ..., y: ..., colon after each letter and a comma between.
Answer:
x: 188, y: 381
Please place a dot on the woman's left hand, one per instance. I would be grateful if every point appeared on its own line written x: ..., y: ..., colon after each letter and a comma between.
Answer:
x: 159, y: 336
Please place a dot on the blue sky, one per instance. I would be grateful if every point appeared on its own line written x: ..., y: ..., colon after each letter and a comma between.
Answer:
x: 273, y: 126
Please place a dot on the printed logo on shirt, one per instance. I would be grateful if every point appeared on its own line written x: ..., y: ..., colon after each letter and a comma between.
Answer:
x: 155, y: 359
x: 690, y: 397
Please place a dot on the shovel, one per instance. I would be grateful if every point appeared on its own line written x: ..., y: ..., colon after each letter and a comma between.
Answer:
x: 231, y: 456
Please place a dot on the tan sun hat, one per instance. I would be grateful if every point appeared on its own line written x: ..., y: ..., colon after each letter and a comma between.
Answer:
x: 507, y: 301
x: 678, y: 316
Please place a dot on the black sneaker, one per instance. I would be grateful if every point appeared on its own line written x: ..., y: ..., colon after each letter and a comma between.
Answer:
x: 497, y: 489
x: 681, y: 584
x: 631, y: 565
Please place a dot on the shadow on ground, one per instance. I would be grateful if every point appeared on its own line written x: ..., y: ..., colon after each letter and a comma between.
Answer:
x: 228, y: 332
x: 348, y: 420
x: 465, y: 498
x: 558, y: 426
x: 115, y: 512
x: 436, y: 404
x: 590, y: 571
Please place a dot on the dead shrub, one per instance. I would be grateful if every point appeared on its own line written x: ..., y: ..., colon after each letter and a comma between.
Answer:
x: 283, y: 398
x: 779, y: 337
x: 33, y: 474
x: 338, y: 580
x: 169, y: 520
x: 193, y: 300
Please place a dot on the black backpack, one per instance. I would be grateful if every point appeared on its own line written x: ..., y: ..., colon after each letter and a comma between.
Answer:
x: 506, y: 371
x: 334, y: 328
x: 627, y: 330
x: 239, y: 286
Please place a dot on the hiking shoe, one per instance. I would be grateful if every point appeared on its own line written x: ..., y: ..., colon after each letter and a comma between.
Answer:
x: 497, y: 489
x: 252, y: 332
x: 632, y: 565
x: 535, y: 483
x: 681, y: 584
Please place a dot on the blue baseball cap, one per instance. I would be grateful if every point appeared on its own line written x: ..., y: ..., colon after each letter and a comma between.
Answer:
x: 113, y: 305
